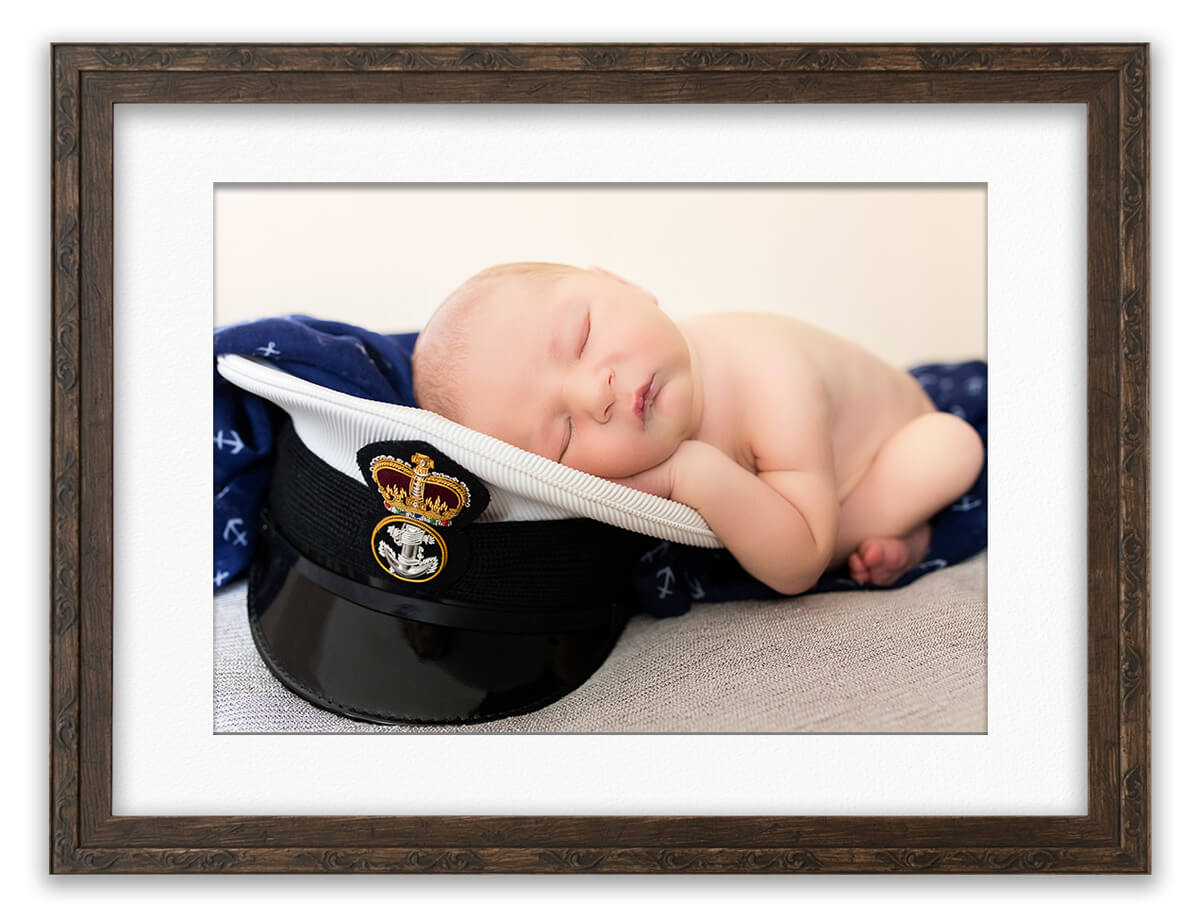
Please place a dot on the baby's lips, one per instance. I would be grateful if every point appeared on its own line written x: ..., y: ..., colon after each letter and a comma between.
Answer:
x: 642, y: 396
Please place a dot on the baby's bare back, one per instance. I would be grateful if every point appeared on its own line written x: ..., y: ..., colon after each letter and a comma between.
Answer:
x: 768, y: 375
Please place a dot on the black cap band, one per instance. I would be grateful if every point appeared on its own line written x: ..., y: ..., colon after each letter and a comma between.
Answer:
x: 550, y: 566
x: 443, y: 613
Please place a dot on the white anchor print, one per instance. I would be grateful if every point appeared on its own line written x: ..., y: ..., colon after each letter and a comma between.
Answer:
x: 668, y: 578
x: 234, y: 441
x: 234, y: 526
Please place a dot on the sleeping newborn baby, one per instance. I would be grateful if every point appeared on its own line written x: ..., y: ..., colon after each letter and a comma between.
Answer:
x: 801, y: 450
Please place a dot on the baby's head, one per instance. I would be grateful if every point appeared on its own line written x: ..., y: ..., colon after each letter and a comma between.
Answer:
x: 576, y: 365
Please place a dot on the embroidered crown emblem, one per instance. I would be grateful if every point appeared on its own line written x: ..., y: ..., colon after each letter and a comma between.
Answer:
x: 410, y: 543
x: 416, y: 491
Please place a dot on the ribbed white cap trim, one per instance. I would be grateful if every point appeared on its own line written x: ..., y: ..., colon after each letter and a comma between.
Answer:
x: 523, y: 486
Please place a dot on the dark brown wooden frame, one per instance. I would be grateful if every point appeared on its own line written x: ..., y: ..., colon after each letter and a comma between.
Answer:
x: 1111, y: 80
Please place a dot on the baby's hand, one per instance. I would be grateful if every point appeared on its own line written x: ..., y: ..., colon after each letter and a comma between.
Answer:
x: 658, y: 480
x: 661, y: 480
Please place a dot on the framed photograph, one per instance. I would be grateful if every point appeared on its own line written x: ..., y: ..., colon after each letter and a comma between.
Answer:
x: 201, y: 185
x: 896, y: 268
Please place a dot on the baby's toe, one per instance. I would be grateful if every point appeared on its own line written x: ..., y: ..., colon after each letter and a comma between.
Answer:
x: 858, y: 569
x: 872, y: 553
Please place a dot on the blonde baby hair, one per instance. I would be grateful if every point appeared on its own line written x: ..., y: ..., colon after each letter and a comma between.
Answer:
x: 440, y: 350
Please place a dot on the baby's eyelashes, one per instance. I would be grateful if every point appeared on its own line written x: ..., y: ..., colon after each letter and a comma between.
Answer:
x: 587, y: 331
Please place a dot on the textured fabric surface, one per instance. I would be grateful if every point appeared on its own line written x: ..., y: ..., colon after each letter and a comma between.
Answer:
x: 910, y: 660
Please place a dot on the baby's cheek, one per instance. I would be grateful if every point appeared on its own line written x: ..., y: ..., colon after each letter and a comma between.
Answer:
x: 672, y: 403
x: 615, y: 458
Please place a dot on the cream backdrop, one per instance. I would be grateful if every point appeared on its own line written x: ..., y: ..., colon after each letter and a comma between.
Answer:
x: 899, y: 268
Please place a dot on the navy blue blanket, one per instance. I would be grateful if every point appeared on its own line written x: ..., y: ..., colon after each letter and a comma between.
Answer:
x: 353, y: 360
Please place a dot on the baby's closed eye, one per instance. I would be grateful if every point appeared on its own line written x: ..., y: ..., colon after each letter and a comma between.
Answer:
x: 587, y: 331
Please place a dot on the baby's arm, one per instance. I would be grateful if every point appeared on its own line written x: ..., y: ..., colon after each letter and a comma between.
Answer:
x: 781, y: 526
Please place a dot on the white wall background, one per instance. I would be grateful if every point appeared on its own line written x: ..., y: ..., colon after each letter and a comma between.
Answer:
x: 898, y: 268
x: 1176, y: 327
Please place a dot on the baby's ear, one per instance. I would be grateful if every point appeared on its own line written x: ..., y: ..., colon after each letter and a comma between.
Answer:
x: 615, y: 277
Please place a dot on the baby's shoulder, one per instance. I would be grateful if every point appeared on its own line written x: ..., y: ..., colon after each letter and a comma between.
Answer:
x: 741, y: 326
x: 766, y: 365
x: 767, y: 346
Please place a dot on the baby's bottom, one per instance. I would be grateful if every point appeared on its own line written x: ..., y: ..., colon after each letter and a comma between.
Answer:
x: 920, y: 469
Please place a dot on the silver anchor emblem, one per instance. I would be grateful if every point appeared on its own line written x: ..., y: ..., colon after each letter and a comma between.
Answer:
x: 411, y: 560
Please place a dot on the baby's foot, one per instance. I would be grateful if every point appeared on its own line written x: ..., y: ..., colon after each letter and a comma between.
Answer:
x: 881, y: 560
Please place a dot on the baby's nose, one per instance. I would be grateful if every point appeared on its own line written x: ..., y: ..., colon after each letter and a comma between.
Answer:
x: 594, y: 395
